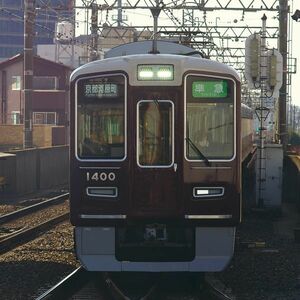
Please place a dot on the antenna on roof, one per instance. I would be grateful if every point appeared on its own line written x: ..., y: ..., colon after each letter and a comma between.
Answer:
x: 155, y: 13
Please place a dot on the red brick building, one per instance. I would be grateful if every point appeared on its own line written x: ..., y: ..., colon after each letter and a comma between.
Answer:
x: 50, y: 100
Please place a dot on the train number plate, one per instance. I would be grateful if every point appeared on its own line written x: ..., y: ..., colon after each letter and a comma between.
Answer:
x: 155, y: 232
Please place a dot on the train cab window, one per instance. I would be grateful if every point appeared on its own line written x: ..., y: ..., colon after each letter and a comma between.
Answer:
x: 101, y: 117
x: 209, y: 128
x: 155, y: 133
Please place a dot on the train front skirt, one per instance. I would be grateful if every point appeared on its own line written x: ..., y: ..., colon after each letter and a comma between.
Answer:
x: 96, y: 250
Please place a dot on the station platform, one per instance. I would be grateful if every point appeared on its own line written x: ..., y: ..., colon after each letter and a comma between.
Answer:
x: 288, y: 224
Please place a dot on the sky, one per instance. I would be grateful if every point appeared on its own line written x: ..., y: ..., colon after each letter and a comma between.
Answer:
x: 143, y: 17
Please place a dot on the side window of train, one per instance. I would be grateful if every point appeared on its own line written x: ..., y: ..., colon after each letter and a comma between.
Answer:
x: 210, y: 120
x: 101, y: 117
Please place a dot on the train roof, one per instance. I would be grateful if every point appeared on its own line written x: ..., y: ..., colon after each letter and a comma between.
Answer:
x: 145, y: 47
x: 182, y: 62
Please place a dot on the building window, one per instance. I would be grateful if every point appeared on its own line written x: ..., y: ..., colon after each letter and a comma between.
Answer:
x: 48, y: 118
x: 45, y: 83
x: 15, y: 117
x: 16, y: 83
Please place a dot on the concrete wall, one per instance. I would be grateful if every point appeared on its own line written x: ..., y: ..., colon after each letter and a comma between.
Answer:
x: 53, y: 166
x: 8, y: 170
x: 26, y: 171
x: 42, y: 135
x: 12, y: 135
x: 31, y: 170
x: 59, y: 136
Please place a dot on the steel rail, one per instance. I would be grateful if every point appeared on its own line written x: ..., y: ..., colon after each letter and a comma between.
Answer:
x: 32, y: 208
x: 113, y: 289
x: 67, y: 286
x: 214, y: 291
x: 29, y: 234
x: 151, y: 294
x: 75, y: 281
x: 219, y: 295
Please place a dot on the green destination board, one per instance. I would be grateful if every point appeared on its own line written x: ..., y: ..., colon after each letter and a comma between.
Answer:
x: 210, y: 89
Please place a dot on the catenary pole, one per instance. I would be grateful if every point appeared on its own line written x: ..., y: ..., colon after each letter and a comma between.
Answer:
x: 29, y: 19
x: 283, y: 29
x: 94, y: 33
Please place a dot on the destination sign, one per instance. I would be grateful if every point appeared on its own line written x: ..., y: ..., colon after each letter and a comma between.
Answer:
x: 210, y: 89
x: 101, y: 90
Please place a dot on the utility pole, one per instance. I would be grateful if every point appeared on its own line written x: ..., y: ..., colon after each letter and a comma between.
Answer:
x: 120, y: 17
x: 262, y: 112
x: 29, y: 19
x: 283, y: 30
x: 94, y: 32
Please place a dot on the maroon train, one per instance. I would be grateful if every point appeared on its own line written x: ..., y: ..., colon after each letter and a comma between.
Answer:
x: 156, y: 160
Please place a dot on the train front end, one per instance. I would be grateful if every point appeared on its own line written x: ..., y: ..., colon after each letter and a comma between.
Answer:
x: 155, y: 163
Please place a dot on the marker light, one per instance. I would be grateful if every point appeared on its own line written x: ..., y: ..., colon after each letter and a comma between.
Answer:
x: 155, y: 72
x: 201, y: 192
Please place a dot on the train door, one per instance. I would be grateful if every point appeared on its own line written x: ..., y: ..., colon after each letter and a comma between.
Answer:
x: 155, y: 172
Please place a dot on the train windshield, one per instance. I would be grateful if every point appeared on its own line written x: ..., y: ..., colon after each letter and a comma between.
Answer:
x: 209, y: 118
x: 101, y: 117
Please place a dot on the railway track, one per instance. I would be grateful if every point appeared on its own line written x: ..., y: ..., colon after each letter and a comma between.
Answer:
x: 81, y: 284
x: 32, y: 208
x: 75, y: 284
x: 23, y: 236
x: 216, y: 289
x: 17, y: 235
x: 68, y: 286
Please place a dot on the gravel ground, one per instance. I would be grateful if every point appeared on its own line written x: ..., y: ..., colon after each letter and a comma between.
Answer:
x: 34, y: 267
x: 42, y: 262
x: 10, y: 203
x: 8, y: 208
x: 271, y: 269
x: 36, y: 217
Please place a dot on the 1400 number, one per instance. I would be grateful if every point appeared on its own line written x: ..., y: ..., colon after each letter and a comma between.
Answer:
x: 97, y: 176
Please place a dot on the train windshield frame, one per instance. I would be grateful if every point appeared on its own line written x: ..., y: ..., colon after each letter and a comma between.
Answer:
x: 209, y: 118
x: 101, y: 114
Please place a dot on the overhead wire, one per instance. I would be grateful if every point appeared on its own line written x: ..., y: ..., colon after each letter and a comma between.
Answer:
x: 52, y: 12
x: 21, y: 19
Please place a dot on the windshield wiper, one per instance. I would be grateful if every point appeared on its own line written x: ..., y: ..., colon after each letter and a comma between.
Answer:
x: 155, y: 101
x: 219, y: 126
x: 196, y: 149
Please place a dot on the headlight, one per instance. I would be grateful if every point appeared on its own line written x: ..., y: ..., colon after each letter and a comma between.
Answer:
x: 155, y: 72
